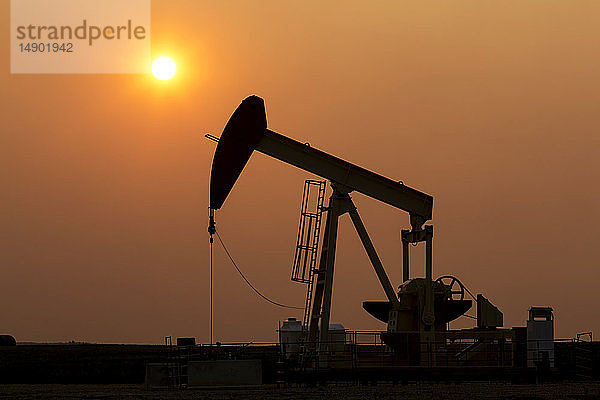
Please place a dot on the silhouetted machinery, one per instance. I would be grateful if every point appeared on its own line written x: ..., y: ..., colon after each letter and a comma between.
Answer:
x: 412, y: 303
x: 422, y: 308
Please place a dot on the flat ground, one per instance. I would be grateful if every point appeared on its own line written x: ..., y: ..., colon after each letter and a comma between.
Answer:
x: 470, y: 391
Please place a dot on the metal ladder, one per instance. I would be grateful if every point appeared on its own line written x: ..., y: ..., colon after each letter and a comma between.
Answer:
x: 176, y: 365
x: 171, y: 368
x: 307, y: 244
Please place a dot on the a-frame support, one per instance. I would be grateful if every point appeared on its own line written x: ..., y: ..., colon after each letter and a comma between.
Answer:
x: 339, y: 204
x: 323, y: 286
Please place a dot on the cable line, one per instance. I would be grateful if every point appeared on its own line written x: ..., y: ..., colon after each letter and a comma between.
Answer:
x: 211, y: 291
x: 248, y: 282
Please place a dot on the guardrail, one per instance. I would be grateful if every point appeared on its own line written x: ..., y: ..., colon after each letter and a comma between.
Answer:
x: 355, y: 353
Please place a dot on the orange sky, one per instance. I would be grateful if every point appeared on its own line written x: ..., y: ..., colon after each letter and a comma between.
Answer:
x: 491, y: 107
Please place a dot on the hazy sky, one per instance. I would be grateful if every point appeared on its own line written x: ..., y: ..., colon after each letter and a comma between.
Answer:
x: 491, y: 107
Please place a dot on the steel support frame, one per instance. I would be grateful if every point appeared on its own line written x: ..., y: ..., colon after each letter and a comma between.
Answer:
x: 339, y: 204
x: 423, y: 235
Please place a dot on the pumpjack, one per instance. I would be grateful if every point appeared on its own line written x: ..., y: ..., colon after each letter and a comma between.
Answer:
x: 422, y: 307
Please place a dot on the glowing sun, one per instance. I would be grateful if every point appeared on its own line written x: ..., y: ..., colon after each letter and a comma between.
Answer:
x: 164, y: 68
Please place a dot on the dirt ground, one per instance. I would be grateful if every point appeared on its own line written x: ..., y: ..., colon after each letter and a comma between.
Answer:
x: 555, y: 391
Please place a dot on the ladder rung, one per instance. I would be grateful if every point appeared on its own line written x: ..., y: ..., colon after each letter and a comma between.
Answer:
x: 307, y: 246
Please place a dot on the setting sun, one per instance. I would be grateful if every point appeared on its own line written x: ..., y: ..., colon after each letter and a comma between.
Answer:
x: 164, y: 68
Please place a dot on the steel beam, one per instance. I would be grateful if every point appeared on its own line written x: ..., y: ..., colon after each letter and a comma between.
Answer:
x: 317, y: 299
x: 372, y: 253
x: 329, y: 266
x: 339, y: 171
x: 405, y: 261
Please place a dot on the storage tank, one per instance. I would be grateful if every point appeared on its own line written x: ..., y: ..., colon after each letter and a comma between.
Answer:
x: 291, y: 337
x: 540, y: 337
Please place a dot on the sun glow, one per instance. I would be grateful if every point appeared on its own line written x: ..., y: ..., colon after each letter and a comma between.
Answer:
x: 164, y: 68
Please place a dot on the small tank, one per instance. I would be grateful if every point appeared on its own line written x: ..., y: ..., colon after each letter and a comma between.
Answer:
x: 292, y: 334
x: 290, y: 337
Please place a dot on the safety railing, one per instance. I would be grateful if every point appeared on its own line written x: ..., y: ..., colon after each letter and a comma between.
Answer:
x: 354, y: 353
x: 367, y: 349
